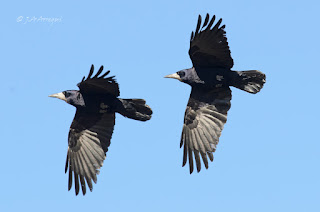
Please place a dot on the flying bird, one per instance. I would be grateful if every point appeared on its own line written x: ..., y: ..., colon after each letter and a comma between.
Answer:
x: 90, y: 132
x: 210, y: 78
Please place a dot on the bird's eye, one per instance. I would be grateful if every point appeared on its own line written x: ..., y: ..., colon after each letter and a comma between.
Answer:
x: 66, y: 94
x: 181, y: 73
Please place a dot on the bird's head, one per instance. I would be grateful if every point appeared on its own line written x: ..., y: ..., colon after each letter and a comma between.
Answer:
x: 71, y: 97
x: 188, y: 76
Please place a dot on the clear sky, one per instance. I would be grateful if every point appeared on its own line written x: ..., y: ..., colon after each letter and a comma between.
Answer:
x: 268, y: 157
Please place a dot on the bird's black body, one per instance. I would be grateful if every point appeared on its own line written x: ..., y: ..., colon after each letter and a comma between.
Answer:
x: 92, y: 103
x: 210, y: 98
x: 92, y: 127
x: 208, y: 77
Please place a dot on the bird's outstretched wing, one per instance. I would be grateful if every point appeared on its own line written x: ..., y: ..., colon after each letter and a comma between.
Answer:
x: 89, y: 139
x: 209, y: 46
x: 99, y: 84
x: 204, y: 119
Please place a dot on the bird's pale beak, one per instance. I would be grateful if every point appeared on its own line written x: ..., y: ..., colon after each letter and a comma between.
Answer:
x: 173, y: 76
x: 59, y: 96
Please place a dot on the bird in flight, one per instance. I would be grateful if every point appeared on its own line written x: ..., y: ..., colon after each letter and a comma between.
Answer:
x: 210, y: 79
x: 90, y: 132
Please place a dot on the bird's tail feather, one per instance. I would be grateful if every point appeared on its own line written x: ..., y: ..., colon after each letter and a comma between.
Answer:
x: 135, y: 109
x: 251, y: 81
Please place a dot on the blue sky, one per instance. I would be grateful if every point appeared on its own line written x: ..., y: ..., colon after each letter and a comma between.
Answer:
x: 268, y: 157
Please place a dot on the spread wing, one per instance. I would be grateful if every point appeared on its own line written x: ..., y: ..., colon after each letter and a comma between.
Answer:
x: 99, y: 84
x: 204, y: 119
x: 209, y: 46
x: 89, y: 139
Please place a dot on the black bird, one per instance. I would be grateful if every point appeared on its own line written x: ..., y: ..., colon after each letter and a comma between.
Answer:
x: 209, y: 102
x: 92, y: 127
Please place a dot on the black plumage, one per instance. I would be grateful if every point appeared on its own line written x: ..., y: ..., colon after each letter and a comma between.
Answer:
x: 209, y: 102
x: 92, y: 127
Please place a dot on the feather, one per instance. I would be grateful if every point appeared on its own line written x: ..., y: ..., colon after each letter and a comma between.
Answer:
x: 194, y: 140
x: 204, y: 139
x: 210, y: 24
x: 91, y: 71
x: 76, y: 182
x: 198, y: 162
x: 198, y: 26
x: 210, y: 156
x: 70, y: 179
x: 199, y: 140
x: 83, y: 185
x: 67, y: 162
x: 205, y: 21
x: 185, y: 154
x: 190, y: 161
x: 105, y: 74
x: 84, y: 163
x: 91, y: 162
x: 192, y: 36
x: 205, y: 160
x: 99, y: 72
x: 216, y: 27
x: 182, y: 139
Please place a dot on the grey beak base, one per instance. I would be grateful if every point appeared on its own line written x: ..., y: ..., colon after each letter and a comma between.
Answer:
x: 59, y: 96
